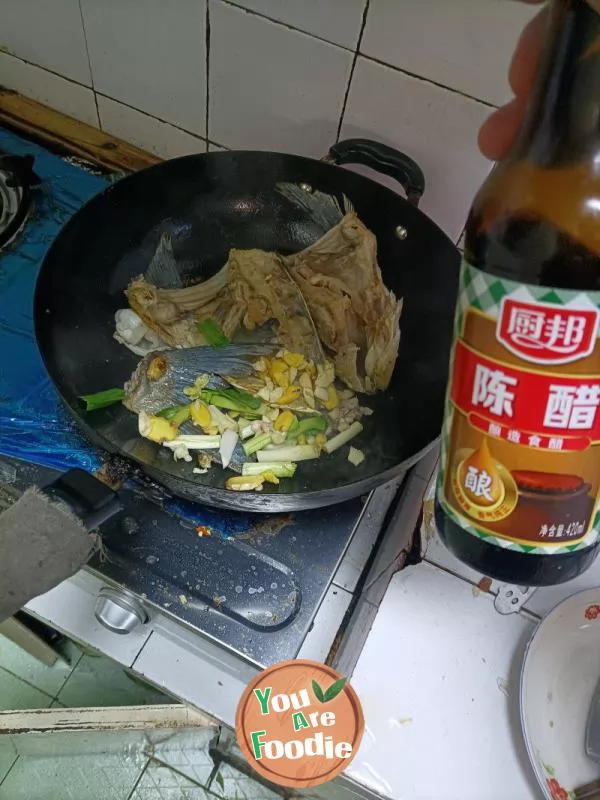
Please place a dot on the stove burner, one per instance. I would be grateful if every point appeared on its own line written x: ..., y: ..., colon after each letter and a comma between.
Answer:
x: 16, y: 180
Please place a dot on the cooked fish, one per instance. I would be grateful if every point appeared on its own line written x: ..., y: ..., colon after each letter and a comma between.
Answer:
x: 325, y: 210
x: 163, y: 271
x: 259, y: 282
x: 174, y: 313
x: 253, y: 289
x: 330, y: 295
x: 356, y: 316
x: 159, y: 379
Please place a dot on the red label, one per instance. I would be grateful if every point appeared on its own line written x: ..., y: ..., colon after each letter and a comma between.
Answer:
x: 556, y: 412
x: 545, y: 333
x: 520, y: 463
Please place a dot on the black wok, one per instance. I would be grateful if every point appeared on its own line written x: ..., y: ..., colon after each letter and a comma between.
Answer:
x: 210, y: 203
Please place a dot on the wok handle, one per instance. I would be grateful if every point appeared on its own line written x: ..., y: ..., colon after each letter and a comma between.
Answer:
x: 88, y: 497
x: 382, y: 158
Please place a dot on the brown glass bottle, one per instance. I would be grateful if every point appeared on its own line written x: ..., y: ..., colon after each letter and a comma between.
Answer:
x: 519, y: 482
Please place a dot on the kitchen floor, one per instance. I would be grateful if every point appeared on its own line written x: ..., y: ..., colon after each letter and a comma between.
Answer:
x: 84, y: 679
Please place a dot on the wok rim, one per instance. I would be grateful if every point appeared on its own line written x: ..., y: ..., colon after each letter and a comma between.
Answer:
x: 263, y: 502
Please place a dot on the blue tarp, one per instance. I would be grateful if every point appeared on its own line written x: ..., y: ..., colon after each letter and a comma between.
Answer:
x: 34, y: 426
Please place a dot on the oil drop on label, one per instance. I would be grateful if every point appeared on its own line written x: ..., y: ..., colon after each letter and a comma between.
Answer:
x: 520, y: 463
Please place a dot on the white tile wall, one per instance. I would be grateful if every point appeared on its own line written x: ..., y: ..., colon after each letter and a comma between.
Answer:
x: 47, y: 33
x: 47, y: 88
x: 279, y: 75
x: 272, y: 88
x: 435, y: 126
x: 337, y: 21
x: 463, y: 44
x: 150, y: 55
x: 146, y: 132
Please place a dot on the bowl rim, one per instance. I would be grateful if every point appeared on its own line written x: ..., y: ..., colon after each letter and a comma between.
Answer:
x: 572, y: 599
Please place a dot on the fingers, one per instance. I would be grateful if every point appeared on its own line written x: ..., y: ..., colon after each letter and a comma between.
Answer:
x: 527, y: 54
x: 499, y: 131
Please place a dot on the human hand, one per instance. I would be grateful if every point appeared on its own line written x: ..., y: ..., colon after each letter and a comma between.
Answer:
x: 500, y: 130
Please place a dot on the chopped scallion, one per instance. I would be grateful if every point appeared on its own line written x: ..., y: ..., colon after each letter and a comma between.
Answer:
x: 300, y: 452
x: 213, y: 334
x: 307, y: 427
x: 231, y: 399
x: 345, y: 436
x: 102, y: 399
x: 176, y: 414
x: 245, y: 398
x: 257, y: 443
x: 283, y: 469
x: 247, y: 431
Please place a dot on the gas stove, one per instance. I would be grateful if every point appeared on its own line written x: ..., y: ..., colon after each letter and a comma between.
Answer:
x: 256, y: 586
x: 16, y: 181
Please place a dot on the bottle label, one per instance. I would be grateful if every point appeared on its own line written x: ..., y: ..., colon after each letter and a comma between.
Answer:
x: 520, y: 464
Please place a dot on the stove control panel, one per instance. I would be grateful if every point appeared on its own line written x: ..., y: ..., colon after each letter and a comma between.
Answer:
x: 119, y: 611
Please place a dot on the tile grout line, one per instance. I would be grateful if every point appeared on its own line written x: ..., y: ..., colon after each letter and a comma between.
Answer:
x: 198, y: 136
x: 10, y: 769
x: 26, y: 682
x: 357, y: 52
x: 372, y: 59
x: 89, y: 60
x: 139, y: 653
x: 430, y: 81
x: 69, y: 676
x: 251, y: 12
x: 126, y: 670
x: 352, y: 68
x: 139, y: 778
x: 176, y: 771
x: 195, y: 135
x: 207, y: 76
x: 64, y: 683
x: 44, y: 69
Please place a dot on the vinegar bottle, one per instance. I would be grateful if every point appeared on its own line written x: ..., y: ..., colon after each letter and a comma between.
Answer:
x: 518, y: 494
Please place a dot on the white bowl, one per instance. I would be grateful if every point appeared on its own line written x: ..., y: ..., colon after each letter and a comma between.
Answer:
x: 560, y: 673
